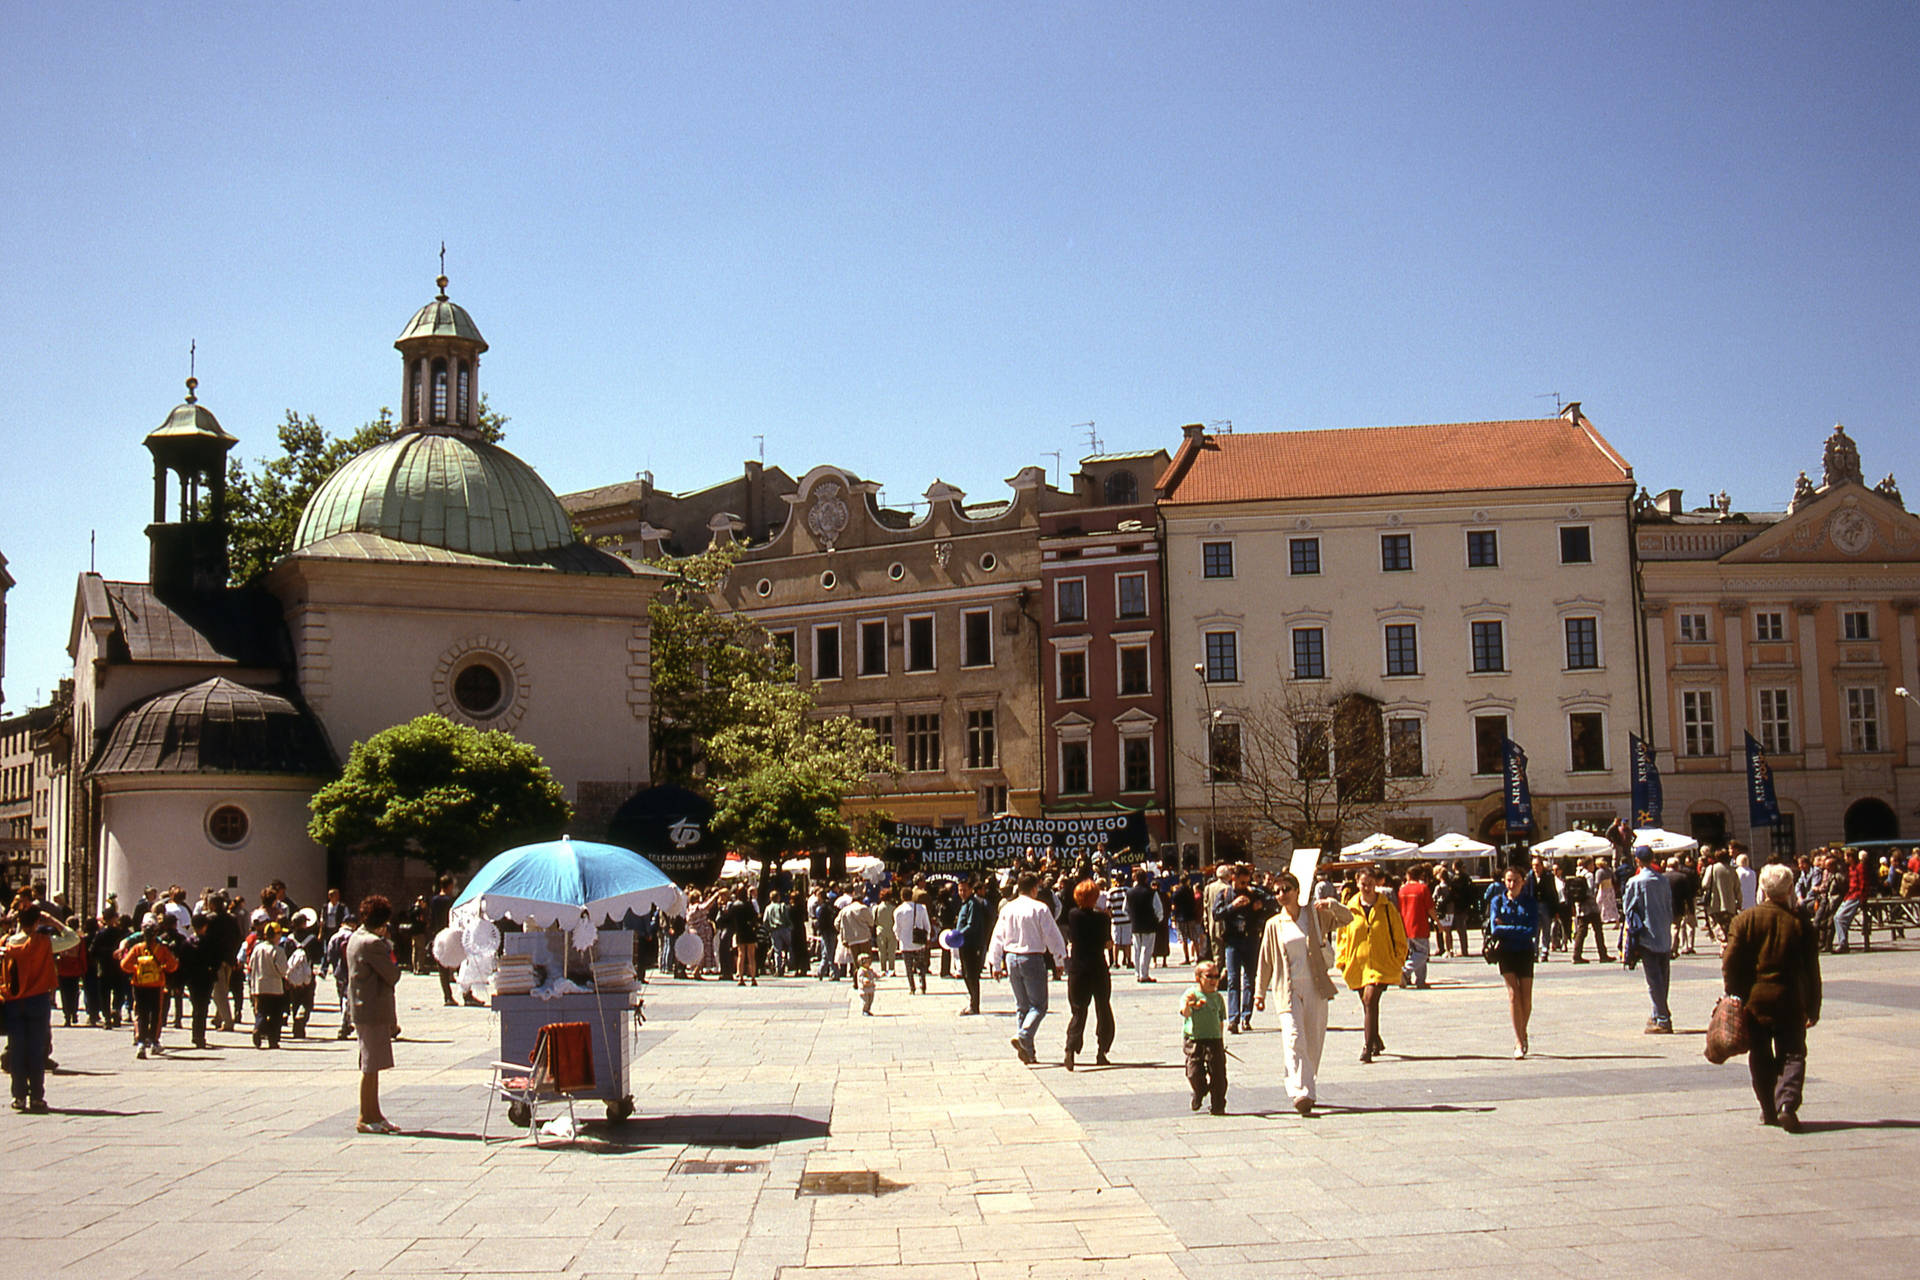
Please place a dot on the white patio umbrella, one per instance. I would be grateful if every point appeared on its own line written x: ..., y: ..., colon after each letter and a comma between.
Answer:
x: 1455, y: 845
x: 1661, y: 840
x: 1574, y: 844
x: 1378, y: 845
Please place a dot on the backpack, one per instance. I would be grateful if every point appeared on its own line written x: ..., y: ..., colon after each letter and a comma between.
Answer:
x: 300, y: 968
x: 146, y: 969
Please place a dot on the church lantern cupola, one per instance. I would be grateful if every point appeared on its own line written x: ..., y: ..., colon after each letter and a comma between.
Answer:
x: 188, y: 553
x: 440, y: 368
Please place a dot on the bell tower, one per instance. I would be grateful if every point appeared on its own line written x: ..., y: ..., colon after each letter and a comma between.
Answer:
x: 187, y: 555
x: 440, y: 368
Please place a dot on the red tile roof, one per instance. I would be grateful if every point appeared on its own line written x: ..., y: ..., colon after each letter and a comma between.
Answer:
x: 1368, y: 461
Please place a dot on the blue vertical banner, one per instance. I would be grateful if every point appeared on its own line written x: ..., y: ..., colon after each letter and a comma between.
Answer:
x: 1646, y: 783
x: 1763, y: 809
x: 1519, y: 796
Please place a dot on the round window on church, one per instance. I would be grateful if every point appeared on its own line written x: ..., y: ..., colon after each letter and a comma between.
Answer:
x: 480, y: 689
x: 228, y: 825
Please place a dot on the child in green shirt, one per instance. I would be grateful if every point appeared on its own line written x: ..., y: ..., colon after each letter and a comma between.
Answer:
x: 1205, y: 1012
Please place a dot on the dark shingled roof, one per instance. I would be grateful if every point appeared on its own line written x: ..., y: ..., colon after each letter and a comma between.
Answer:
x: 575, y: 557
x: 243, y: 627
x: 215, y: 726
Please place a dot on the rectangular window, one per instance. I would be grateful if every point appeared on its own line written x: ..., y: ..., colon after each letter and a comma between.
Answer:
x: 1216, y: 559
x: 1776, y: 722
x: 993, y: 801
x: 923, y: 743
x: 1586, y: 742
x: 1483, y: 549
x: 920, y: 643
x: 1223, y: 657
x: 981, y: 747
x: 1699, y: 730
x: 1073, y: 675
x: 1770, y: 626
x: 1583, y: 643
x: 1223, y: 750
x: 1576, y: 544
x: 826, y: 651
x: 1489, y: 744
x: 1406, y: 753
x: 873, y: 647
x: 1863, y: 719
x: 785, y: 653
x: 1133, y: 670
x: 976, y: 638
x: 1785, y: 842
x: 1313, y: 749
x: 1130, y: 595
x: 1136, y: 764
x: 1856, y: 624
x: 1309, y: 653
x: 1076, y: 777
x: 881, y: 727
x: 1396, y: 552
x: 1489, y: 646
x: 1693, y: 628
x: 1070, y: 600
x: 1403, y: 649
x: 1303, y: 556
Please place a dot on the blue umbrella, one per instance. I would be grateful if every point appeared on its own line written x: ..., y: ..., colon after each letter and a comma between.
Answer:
x: 560, y: 882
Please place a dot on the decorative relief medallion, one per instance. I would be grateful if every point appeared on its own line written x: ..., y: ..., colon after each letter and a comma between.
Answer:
x: 1851, y: 531
x: 942, y: 552
x: 828, y: 516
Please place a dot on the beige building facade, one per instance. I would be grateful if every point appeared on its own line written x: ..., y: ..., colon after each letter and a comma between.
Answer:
x: 1456, y: 585
x: 1798, y: 628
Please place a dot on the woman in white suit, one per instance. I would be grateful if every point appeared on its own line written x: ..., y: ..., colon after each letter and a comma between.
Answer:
x: 1294, y: 953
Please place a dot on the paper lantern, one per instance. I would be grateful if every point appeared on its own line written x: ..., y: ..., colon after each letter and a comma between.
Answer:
x: 449, y: 948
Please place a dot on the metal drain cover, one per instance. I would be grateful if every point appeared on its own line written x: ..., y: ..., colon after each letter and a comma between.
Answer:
x: 846, y: 1182
x: 717, y: 1166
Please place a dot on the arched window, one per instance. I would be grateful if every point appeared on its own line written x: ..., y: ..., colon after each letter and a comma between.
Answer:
x: 419, y: 390
x: 1122, y: 488
x: 439, y: 390
x: 465, y: 382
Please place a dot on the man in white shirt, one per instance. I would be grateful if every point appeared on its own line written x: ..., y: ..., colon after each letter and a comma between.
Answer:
x: 1026, y: 942
x: 856, y: 929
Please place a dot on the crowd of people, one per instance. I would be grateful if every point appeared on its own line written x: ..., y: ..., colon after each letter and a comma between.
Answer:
x: 212, y: 964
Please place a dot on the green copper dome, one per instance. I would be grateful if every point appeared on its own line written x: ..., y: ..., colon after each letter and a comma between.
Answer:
x: 440, y: 491
x: 442, y: 319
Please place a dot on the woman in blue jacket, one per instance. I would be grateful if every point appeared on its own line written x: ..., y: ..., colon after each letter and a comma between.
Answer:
x: 1513, y: 926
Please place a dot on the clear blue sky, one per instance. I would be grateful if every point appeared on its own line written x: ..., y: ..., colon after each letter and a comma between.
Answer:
x: 925, y: 240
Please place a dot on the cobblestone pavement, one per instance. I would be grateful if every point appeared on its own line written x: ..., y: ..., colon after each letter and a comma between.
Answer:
x: 1608, y: 1153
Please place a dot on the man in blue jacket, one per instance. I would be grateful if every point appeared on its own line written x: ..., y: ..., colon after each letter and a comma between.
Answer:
x: 1648, y: 907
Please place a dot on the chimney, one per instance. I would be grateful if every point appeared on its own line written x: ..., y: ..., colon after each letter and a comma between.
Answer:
x: 1571, y: 412
x: 1669, y: 503
x: 1193, y: 431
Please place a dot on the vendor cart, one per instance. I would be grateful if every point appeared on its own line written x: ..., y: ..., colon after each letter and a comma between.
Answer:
x: 612, y: 1016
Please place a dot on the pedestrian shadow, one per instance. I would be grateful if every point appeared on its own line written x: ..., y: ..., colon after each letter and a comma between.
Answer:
x: 1083, y: 1067
x: 97, y: 1113
x: 76, y: 1071
x: 1448, y: 1057
x: 723, y: 1130
x: 1336, y: 1108
x: 1595, y: 1057
x: 1836, y: 1126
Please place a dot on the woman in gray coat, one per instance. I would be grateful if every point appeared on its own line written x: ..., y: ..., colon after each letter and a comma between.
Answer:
x: 372, y: 973
x: 1294, y: 953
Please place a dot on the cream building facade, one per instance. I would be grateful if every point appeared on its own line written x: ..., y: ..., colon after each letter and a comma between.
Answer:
x: 1799, y: 628
x: 1468, y: 582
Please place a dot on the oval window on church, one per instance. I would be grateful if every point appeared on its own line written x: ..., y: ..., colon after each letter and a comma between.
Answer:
x: 228, y: 825
x: 480, y: 689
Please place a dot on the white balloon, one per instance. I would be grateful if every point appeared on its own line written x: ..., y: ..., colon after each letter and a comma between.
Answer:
x: 687, y: 948
x: 449, y: 948
x: 482, y: 938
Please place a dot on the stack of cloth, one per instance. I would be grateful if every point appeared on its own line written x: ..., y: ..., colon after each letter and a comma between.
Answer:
x: 516, y: 976
x: 613, y: 975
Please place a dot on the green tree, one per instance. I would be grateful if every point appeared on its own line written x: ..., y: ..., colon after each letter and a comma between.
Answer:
x: 440, y: 791
x: 728, y: 719
x: 264, y: 505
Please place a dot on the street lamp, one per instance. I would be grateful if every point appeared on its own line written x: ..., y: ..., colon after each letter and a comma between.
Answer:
x: 1213, y: 769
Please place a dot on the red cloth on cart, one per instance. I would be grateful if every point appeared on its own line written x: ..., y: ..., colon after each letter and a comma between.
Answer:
x: 569, y: 1055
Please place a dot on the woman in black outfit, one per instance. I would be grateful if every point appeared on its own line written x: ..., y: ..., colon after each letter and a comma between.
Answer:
x: 1089, y: 930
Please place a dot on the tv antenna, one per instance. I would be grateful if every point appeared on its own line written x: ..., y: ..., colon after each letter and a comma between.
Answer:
x: 762, y: 441
x: 1093, y: 438
x: 1555, y: 397
x: 1221, y: 426
x: 1055, y: 455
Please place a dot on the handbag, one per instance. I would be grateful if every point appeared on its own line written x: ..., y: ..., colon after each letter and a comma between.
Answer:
x: 1490, y: 948
x: 1729, y: 1031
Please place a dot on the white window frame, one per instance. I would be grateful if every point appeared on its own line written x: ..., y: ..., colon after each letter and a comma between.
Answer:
x: 818, y: 630
x: 1606, y: 757
x: 974, y: 613
x: 1146, y: 600
x: 1865, y: 727
x: 1778, y: 617
x: 1699, y: 724
x: 1691, y: 634
x: 1420, y: 729
x: 1233, y: 560
x: 1466, y: 548
x: 1059, y: 588
x: 1085, y: 743
x: 1473, y: 666
x: 1773, y: 716
x: 971, y: 732
x: 1142, y: 736
x: 1060, y: 693
x: 1847, y: 617
x: 1566, y: 642
x: 1386, y: 652
x: 1206, y: 656
x: 1561, y: 547
x: 906, y: 643
x: 907, y: 734
x: 1293, y: 654
x: 1120, y: 649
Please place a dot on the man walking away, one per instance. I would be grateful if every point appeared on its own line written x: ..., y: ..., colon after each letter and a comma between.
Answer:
x: 1147, y: 915
x: 1026, y: 944
x: 1648, y: 904
x: 975, y: 923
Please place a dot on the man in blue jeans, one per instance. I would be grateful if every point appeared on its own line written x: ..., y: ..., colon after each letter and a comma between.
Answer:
x: 1026, y: 943
x: 1648, y: 907
x: 1242, y: 913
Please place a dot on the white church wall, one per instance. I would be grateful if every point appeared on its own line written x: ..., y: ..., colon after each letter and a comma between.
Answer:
x: 157, y: 832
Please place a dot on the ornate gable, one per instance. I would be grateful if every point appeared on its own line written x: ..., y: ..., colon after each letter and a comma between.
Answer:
x: 1847, y: 524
